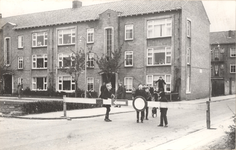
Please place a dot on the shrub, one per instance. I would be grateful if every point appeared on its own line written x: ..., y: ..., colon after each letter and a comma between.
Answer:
x: 231, y: 135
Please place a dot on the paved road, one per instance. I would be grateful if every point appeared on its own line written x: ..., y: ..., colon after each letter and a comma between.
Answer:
x: 95, y: 134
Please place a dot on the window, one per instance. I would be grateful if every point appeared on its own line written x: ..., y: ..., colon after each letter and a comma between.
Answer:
x: 232, y: 68
x: 159, y: 28
x: 66, y: 83
x: 39, y: 61
x: 39, y: 83
x: 128, y: 83
x: 159, y: 56
x: 90, y: 83
x: 129, y: 32
x: 188, y: 83
x: 217, y: 53
x: 108, y: 41
x: 66, y: 60
x: 128, y: 58
x: 150, y: 79
x: 66, y: 36
x: 90, y: 60
x: 90, y: 35
x: 232, y: 52
x: 188, y: 55
x: 188, y: 28
x: 7, y: 44
x: 39, y: 39
x: 20, y: 42
x: 20, y: 62
x: 20, y: 81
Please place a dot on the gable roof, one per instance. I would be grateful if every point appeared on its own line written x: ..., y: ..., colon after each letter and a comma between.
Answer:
x: 91, y: 13
x: 222, y: 37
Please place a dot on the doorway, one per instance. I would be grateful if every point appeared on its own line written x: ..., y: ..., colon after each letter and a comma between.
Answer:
x: 7, y: 84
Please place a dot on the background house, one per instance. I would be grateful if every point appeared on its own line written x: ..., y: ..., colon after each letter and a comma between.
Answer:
x: 159, y: 38
x: 223, y: 62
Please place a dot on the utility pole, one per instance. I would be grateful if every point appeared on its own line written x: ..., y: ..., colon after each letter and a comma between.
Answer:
x: 208, y: 115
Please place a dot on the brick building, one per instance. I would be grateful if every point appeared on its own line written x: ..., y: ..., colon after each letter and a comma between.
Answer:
x: 223, y: 62
x: 160, y: 38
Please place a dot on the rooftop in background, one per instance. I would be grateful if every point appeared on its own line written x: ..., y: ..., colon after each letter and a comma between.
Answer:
x: 91, y: 12
x: 222, y: 37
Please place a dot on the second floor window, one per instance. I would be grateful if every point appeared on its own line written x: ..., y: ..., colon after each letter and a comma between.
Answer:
x: 20, y: 62
x: 90, y: 60
x: 66, y: 36
x: 39, y: 61
x: 159, y: 56
x: 188, y: 56
x: 20, y: 42
x: 159, y: 28
x: 39, y: 39
x: 232, y: 52
x: 232, y: 68
x: 66, y: 60
x: 128, y: 83
x: 90, y: 35
x: 128, y: 58
x: 129, y: 32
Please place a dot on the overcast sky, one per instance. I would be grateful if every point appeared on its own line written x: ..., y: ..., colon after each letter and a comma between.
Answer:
x: 221, y: 13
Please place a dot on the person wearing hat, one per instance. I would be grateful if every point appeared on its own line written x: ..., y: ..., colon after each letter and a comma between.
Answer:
x: 140, y: 92
x: 163, y: 111
x: 107, y: 93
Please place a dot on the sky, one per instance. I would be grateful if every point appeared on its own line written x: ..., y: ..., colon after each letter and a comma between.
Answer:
x: 221, y: 13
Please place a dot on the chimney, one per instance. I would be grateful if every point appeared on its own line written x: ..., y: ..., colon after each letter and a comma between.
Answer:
x: 230, y: 33
x: 76, y: 4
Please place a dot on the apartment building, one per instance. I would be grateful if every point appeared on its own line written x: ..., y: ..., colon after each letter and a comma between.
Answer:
x: 159, y: 38
x: 223, y: 62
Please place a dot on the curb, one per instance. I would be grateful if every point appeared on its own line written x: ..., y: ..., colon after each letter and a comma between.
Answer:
x: 62, y: 117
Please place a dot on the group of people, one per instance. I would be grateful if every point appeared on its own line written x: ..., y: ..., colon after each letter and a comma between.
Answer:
x: 155, y: 93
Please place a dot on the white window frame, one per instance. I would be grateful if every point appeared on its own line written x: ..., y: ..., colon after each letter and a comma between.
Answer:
x: 90, y: 58
x: 34, y: 61
x: 35, y: 42
x: 153, y: 23
x: 129, y: 86
x: 61, y: 57
x: 232, y: 52
x: 20, y: 41
x: 188, y: 56
x: 188, y: 28
x: 20, y: 62
x: 188, y: 79
x: 129, y: 28
x: 72, y: 83
x: 105, y: 39
x: 150, y: 80
x: 72, y: 34
x: 34, y: 84
x: 150, y: 55
x: 20, y: 80
x: 7, y: 51
x: 90, y: 80
x: 231, y: 65
x: 90, y: 35
x: 132, y: 58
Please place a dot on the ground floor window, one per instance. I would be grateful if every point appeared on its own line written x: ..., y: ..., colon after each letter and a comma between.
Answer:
x: 128, y: 83
x: 39, y: 83
x: 66, y: 83
x: 151, y: 79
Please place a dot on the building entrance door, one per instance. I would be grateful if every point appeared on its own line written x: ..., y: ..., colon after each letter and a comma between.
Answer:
x: 7, y: 84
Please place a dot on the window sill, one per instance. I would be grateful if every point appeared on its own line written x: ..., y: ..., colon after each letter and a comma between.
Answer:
x: 158, y: 65
x: 150, y: 38
x: 72, y: 44
x: 39, y: 68
x: 129, y: 39
x: 188, y: 92
x: 90, y: 42
x: 67, y: 91
x: 44, y: 46
x: 128, y: 66
x: 128, y: 91
x: 20, y: 48
x: 38, y: 90
x: 20, y: 69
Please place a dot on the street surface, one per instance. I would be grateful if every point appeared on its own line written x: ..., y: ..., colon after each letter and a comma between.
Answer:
x: 95, y: 134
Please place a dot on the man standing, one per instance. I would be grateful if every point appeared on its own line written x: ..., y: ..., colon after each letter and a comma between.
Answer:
x: 161, y: 84
x: 163, y: 111
x: 120, y: 93
x: 140, y: 92
x: 106, y: 93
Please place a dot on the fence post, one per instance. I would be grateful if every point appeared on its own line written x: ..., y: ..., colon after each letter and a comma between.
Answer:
x: 208, y: 120
x: 64, y: 105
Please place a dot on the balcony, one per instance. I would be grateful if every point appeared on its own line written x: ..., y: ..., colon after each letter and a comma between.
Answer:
x: 218, y: 58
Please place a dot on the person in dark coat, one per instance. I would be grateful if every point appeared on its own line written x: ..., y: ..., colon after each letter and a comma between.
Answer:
x: 107, y: 93
x: 140, y: 92
x: 120, y: 93
x: 102, y: 88
x: 163, y: 111
x: 149, y: 98
x: 161, y: 83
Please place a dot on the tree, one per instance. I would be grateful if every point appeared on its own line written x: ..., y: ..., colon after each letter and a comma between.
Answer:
x: 74, y: 65
x: 109, y: 64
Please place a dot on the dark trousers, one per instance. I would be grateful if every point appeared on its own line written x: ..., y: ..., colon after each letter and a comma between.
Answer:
x: 163, y: 116
x: 146, y: 113
x: 142, y: 115
x: 108, y: 109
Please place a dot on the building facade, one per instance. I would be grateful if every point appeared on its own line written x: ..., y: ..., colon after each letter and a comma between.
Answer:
x: 223, y: 62
x: 158, y: 38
